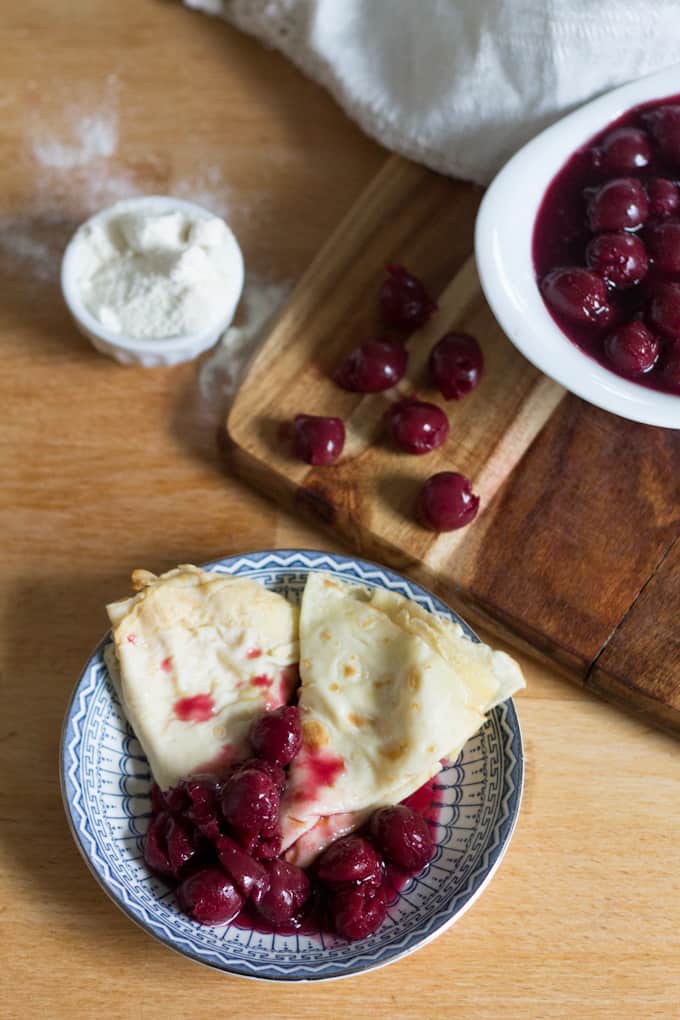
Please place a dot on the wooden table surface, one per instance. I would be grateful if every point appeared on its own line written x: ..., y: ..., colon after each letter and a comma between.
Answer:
x: 105, y: 469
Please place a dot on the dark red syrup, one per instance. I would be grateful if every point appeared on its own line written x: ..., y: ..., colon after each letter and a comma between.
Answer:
x: 425, y: 802
x: 313, y: 920
x: 641, y: 146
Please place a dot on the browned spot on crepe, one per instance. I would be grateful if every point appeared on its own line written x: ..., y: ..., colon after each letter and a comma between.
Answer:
x: 394, y: 751
x: 314, y: 735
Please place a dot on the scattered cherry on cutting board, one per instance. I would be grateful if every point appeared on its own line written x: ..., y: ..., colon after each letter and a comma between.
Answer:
x: 373, y: 366
x: 318, y: 440
x: 417, y: 426
x: 455, y: 366
x: 447, y: 502
x: 404, y: 300
x: 606, y: 246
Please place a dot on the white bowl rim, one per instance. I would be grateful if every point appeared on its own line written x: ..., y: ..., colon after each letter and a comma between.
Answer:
x: 505, y: 263
x: 147, y: 345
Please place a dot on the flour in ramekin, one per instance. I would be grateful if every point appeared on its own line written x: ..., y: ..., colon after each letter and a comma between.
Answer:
x: 150, y: 272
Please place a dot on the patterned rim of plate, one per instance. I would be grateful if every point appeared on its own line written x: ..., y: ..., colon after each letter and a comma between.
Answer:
x: 423, y: 910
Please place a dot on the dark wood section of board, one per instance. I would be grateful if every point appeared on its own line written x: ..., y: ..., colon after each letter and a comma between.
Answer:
x: 573, y: 556
x: 578, y: 530
x: 647, y: 644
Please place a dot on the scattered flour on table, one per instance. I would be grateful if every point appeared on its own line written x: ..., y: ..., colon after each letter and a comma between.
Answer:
x: 86, y: 133
x: 75, y: 173
x: 221, y: 372
x: 70, y: 179
x: 208, y: 188
x: 90, y: 136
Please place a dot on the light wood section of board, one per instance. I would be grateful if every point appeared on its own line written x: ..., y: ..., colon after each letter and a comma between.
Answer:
x: 371, y: 492
x: 105, y: 469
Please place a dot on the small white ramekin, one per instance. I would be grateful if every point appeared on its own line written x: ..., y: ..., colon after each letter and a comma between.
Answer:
x: 148, y: 352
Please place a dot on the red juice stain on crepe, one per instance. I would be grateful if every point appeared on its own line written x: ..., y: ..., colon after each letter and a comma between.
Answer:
x: 290, y: 681
x: 197, y: 708
x: 326, y: 768
x: 253, y: 653
x: 219, y: 765
x: 280, y: 690
x: 319, y: 770
x: 261, y: 681
x: 166, y: 664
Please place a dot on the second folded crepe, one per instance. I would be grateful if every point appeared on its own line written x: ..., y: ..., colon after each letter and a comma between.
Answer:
x: 388, y: 691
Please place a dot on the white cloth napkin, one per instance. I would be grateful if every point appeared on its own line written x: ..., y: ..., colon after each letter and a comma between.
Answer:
x: 461, y: 84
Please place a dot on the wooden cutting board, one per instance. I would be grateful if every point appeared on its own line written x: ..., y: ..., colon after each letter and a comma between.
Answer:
x: 575, y: 553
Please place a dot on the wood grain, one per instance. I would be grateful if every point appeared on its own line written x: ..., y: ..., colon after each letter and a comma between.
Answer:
x: 647, y: 643
x: 406, y: 214
x: 105, y: 469
x: 592, y: 507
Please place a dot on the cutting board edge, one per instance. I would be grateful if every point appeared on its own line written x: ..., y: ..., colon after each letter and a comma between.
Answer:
x: 298, y: 499
x: 634, y: 700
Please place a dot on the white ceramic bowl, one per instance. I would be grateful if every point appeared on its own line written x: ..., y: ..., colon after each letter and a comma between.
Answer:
x: 148, y: 352
x: 503, y: 243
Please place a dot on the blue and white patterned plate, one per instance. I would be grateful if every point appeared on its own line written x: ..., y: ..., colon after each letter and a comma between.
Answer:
x: 106, y: 783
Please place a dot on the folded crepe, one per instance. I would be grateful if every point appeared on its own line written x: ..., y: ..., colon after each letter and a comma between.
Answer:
x: 388, y: 691
x: 196, y: 657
